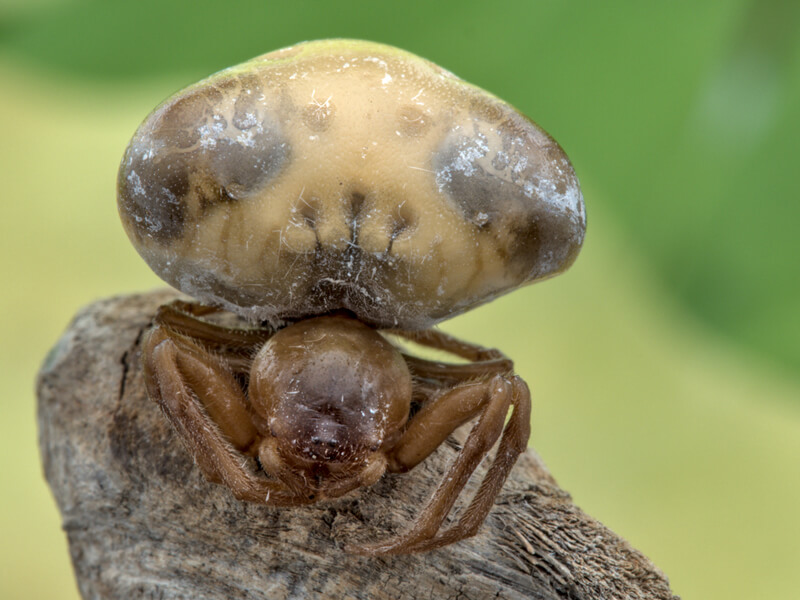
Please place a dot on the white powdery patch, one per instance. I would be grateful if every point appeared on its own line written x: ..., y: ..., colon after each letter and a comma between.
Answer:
x: 246, y: 138
x: 378, y: 61
x: 469, y: 152
x: 543, y: 184
x: 250, y: 120
x: 481, y: 219
x: 521, y: 164
x: 209, y: 134
x: 136, y: 183
x: 569, y: 202
x: 144, y: 150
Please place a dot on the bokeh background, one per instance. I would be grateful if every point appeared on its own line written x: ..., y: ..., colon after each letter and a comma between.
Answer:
x: 665, y: 365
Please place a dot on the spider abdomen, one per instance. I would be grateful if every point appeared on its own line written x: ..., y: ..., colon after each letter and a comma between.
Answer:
x: 347, y: 175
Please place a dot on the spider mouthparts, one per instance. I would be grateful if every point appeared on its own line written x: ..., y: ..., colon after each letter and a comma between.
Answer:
x: 325, y: 448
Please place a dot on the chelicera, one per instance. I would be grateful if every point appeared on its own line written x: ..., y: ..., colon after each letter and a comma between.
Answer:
x: 342, y: 196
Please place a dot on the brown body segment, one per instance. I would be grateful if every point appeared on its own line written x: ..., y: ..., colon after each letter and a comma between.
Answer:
x: 347, y: 175
x: 331, y: 387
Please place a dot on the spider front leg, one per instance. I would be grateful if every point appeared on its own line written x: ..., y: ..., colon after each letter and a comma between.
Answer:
x: 236, y: 345
x: 203, y: 401
x: 484, y: 362
x: 491, y: 399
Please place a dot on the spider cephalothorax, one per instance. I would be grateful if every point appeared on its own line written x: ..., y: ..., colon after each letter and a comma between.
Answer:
x: 337, y: 194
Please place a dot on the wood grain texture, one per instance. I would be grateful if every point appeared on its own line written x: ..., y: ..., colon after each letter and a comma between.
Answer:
x: 143, y: 523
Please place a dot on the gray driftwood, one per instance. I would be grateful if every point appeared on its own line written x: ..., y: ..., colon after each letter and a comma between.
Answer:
x: 143, y: 523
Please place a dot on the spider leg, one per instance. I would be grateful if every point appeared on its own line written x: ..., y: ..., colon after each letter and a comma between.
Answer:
x: 433, y: 338
x: 449, y: 374
x: 184, y: 318
x: 491, y: 398
x: 205, y: 405
x: 483, y: 361
x: 195, y: 308
x: 439, y: 416
x: 513, y: 443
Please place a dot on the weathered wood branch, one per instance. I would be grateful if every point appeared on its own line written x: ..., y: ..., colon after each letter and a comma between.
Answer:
x: 142, y: 522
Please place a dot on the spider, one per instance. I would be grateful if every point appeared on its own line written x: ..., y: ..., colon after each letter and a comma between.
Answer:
x: 324, y: 405
x: 342, y: 196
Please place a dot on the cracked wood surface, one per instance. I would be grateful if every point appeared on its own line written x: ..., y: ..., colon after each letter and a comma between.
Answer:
x: 142, y: 522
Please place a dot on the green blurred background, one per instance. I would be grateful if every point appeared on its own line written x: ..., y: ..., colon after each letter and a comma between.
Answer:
x: 665, y: 365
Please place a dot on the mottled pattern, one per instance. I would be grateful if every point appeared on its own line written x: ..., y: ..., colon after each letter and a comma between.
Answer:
x: 191, y: 156
x: 345, y: 174
x: 516, y: 184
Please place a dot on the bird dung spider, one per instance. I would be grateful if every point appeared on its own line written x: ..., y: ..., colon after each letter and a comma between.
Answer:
x: 340, y: 195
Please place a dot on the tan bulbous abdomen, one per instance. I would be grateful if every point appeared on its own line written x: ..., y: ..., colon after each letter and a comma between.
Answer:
x: 347, y: 175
